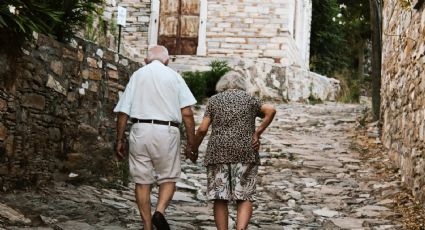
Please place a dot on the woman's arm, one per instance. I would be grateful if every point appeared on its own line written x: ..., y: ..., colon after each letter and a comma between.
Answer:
x: 201, y: 132
x: 269, y: 111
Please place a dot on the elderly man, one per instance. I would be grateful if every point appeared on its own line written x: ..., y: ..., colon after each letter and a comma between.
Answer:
x: 156, y: 99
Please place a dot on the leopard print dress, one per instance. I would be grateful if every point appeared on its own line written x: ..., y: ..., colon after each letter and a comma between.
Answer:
x: 232, y: 114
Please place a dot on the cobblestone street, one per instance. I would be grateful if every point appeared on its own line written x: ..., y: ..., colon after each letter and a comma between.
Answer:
x: 312, y: 177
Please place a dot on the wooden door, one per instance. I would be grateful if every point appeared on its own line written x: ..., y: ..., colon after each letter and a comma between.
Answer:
x: 178, y: 26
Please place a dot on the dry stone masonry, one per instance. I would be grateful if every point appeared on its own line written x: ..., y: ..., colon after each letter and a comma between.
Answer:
x: 403, y: 90
x: 56, y: 114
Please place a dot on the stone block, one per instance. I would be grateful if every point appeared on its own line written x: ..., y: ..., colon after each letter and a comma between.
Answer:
x: 75, y: 157
x: 124, y: 62
x: 3, y: 105
x: 93, y: 87
x: 274, y: 53
x: 143, y: 19
x: 55, y: 134
x: 250, y: 55
x: 92, y: 74
x: 87, y: 131
x: 230, y: 45
x: 80, y: 55
x: 3, y: 132
x: 224, y: 25
x: 99, y: 52
x: 33, y: 100
x: 92, y: 62
x: 56, y: 67
x: 213, y: 44
x: 113, y: 74
x: 71, y: 97
x: 220, y: 51
x: 110, y: 66
x: 278, y: 39
x: 70, y: 54
x: 263, y: 10
x: 235, y: 40
x: 55, y: 85
x: 251, y: 9
x: 9, y: 145
x: 248, y: 20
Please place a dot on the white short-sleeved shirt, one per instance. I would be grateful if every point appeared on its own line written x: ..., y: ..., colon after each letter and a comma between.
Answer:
x: 155, y: 92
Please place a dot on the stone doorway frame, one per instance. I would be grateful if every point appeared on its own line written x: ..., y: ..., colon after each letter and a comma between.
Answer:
x: 201, y: 50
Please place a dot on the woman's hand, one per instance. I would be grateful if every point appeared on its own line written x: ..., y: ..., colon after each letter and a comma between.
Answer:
x: 194, y: 156
x: 191, y: 153
x: 256, y: 142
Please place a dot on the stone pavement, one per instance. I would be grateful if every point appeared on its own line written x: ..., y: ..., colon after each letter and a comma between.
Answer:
x: 312, y: 177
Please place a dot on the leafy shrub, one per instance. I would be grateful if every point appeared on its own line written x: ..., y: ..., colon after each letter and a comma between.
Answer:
x: 350, y: 90
x: 197, y: 84
x: 19, y: 18
x: 57, y: 18
x: 74, y: 15
x: 202, y: 84
x: 218, y: 69
x: 24, y: 17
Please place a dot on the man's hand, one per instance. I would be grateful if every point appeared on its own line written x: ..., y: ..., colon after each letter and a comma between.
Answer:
x: 256, y: 142
x: 120, y: 146
x: 191, y: 153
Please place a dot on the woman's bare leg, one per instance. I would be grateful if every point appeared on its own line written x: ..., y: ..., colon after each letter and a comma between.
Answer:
x: 244, y: 214
x: 221, y: 214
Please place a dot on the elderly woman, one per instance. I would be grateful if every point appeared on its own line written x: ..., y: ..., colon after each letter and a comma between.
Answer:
x: 232, y: 157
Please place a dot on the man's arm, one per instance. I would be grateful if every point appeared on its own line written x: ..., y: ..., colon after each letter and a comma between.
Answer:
x: 269, y: 111
x: 189, y: 124
x: 120, y: 142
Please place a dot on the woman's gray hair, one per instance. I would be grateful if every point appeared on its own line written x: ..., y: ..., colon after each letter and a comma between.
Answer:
x: 231, y: 80
x: 159, y: 53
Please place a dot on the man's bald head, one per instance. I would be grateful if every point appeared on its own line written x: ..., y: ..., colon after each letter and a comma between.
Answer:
x: 159, y: 53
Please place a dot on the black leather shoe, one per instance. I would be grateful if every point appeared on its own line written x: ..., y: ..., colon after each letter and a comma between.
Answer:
x: 159, y: 221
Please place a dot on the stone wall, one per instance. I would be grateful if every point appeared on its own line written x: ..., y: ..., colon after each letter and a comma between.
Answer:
x: 134, y: 39
x: 56, y: 116
x: 403, y: 91
x: 251, y: 29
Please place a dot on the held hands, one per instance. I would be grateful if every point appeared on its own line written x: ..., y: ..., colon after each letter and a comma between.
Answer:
x: 191, y: 153
x: 256, y: 142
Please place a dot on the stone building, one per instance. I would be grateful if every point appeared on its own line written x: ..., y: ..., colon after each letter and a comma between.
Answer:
x: 403, y: 90
x: 269, y: 39
x: 278, y: 30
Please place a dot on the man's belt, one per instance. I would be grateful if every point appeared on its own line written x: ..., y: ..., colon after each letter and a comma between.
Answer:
x: 157, y: 122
